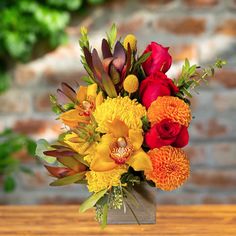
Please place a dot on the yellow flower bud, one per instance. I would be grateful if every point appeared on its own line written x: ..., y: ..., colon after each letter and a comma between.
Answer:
x: 131, y: 39
x: 131, y: 83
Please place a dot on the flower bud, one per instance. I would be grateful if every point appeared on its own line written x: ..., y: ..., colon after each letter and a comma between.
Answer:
x: 132, y: 41
x: 131, y: 84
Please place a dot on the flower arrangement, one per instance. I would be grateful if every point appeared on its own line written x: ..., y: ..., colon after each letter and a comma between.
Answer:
x: 127, y: 126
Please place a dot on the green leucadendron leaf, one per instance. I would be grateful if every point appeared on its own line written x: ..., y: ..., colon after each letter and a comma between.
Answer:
x: 91, y: 201
x: 68, y: 180
x: 43, y: 145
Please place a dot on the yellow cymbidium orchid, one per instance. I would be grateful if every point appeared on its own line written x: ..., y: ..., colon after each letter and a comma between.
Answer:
x: 88, y: 99
x: 120, y: 146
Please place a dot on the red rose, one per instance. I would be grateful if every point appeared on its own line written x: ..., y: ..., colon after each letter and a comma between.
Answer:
x: 159, y: 60
x: 156, y: 85
x: 166, y: 133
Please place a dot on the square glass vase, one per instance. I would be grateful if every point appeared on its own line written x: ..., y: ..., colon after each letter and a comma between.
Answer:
x: 142, y: 213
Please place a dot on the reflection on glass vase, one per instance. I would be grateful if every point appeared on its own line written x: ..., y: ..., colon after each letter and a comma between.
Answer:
x: 139, y: 207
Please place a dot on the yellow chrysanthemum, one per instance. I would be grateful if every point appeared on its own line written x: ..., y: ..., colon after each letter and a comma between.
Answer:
x: 98, y: 181
x: 168, y: 107
x: 170, y: 167
x: 122, y: 108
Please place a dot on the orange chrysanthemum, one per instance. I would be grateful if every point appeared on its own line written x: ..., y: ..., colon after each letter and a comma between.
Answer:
x: 170, y: 167
x: 168, y: 107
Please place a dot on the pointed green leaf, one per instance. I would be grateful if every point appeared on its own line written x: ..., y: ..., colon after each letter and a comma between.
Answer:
x: 92, y: 200
x: 104, y: 215
x: 111, y: 35
x: 43, y: 145
x: 68, y: 180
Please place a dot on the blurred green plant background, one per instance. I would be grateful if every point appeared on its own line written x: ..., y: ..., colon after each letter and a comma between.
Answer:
x: 29, y: 27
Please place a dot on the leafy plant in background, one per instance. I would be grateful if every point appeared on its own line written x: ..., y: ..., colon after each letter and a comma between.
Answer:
x: 10, y: 144
x: 30, y: 24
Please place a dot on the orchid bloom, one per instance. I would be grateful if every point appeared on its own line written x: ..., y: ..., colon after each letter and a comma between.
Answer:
x: 87, y: 99
x: 120, y: 146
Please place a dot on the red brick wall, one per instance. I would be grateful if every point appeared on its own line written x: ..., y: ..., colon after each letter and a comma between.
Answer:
x: 201, y: 30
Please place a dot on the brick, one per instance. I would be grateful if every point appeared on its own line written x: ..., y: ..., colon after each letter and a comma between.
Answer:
x: 156, y: 4
x: 197, y: 154
x: 42, y: 102
x: 130, y: 26
x: 228, y: 28
x: 222, y: 154
x: 213, y: 179
x: 14, y: 101
x: 53, y: 77
x: 224, y: 101
x: 182, y: 26
x: 225, y: 77
x: 26, y: 74
x: 38, y: 127
x: 40, y: 179
x: 200, y: 3
x: 181, y: 52
x: 210, y: 128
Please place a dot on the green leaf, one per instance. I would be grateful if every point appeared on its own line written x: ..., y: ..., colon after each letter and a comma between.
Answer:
x: 95, y: 1
x: 26, y: 170
x: 141, y: 60
x: 104, y: 216
x: 31, y: 147
x: 9, y: 184
x: 43, y: 145
x: 111, y: 35
x: 87, y: 79
x: 92, y: 200
x: 68, y: 180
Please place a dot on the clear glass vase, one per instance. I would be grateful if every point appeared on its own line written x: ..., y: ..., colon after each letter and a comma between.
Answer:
x: 142, y: 212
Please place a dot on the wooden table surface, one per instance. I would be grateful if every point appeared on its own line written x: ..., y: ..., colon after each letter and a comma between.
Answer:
x: 65, y: 220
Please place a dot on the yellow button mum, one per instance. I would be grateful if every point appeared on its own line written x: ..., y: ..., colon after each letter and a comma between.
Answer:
x: 98, y: 181
x: 122, y: 108
x: 168, y: 107
x: 132, y: 41
x: 131, y: 84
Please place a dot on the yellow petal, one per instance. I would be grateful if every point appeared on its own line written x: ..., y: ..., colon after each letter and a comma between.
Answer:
x: 140, y: 161
x: 118, y: 128
x: 71, y: 118
x: 102, y: 160
x: 136, y: 138
x: 92, y: 90
x: 99, y: 99
x: 81, y: 94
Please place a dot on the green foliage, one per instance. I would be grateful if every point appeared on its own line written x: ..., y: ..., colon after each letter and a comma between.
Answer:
x: 68, y: 180
x: 115, y: 198
x: 28, y: 24
x: 193, y: 76
x: 92, y: 200
x: 10, y: 144
x: 111, y: 35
